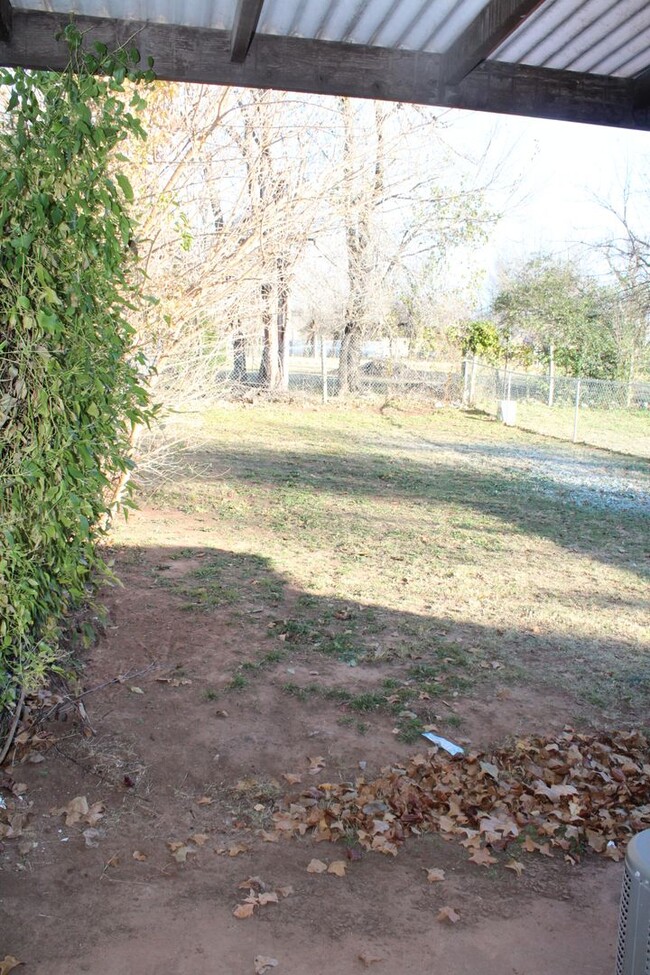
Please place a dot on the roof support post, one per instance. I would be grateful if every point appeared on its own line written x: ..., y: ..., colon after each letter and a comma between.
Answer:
x: 244, y: 26
x: 488, y: 30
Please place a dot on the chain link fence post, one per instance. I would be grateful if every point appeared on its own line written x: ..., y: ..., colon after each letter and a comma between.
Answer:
x: 576, y: 412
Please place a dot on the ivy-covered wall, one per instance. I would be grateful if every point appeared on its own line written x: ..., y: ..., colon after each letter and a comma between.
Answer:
x: 70, y: 380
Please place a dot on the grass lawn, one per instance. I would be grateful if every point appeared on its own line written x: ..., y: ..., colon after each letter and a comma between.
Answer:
x: 435, y: 551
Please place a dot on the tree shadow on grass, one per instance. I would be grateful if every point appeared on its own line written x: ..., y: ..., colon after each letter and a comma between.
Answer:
x: 527, y: 502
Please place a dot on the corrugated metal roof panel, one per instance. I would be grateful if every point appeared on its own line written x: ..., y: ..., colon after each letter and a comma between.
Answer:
x: 198, y: 13
x: 414, y: 25
x: 601, y: 36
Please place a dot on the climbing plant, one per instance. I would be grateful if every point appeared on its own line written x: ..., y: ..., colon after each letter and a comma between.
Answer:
x: 72, y: 385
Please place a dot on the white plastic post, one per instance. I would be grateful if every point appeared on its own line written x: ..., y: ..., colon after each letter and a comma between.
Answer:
x: 576, y: 413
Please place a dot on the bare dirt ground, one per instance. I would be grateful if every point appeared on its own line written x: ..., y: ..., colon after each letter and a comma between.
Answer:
x: 74, y: 908
x: 236, y: 675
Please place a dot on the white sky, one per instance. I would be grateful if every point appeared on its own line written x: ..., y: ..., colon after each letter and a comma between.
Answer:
x: 556, y: 169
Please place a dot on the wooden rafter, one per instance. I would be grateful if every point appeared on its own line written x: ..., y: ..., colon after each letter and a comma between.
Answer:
x: 5, y: 19
x: 244, y: 26
x: 331, y: 68
x: 488, y: 30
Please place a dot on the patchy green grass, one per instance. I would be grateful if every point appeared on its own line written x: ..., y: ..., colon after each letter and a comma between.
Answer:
x: 442, y: 549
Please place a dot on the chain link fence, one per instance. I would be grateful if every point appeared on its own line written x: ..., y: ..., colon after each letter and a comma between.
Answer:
x: 600, y: 412
x: 603, y: 413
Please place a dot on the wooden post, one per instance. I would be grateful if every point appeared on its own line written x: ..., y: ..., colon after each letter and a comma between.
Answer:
x: 323, y: 367
x: 465, y: 368
x: 576, y: 412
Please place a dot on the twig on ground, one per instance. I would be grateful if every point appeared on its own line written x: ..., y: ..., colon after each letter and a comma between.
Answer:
x: 12, y: 730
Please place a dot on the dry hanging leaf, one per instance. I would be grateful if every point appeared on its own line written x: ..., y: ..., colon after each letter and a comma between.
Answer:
x: 368, y: 959
x: 316, y: 866
x: 337, y: 867
x: 244, y: 910
x: 138, y: 855
x: 262, y: 964
x: 434, y: 874
x: 8, y: 963
x: 448, y: 915
x: 515, y: 865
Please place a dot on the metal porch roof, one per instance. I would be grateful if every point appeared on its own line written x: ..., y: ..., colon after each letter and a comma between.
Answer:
x: 586, y: 60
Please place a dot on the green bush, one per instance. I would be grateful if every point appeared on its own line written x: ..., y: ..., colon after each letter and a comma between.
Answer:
x: 71, y: 383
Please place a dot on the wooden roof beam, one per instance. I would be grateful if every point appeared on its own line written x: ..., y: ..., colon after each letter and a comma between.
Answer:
x: 244, y: 26
x: 5, y: 20
x: 299, y: 64
x: 488, y: 30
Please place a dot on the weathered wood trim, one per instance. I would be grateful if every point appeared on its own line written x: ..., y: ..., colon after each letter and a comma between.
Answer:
x: 6, y: 14
x: 488, y: 30
x: 325, y: 67
x: 244, y: 26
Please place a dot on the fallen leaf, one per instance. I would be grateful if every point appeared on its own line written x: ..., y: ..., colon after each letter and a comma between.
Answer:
x: 199, y: 839
x: 76, y: 809
x: 114, y: 861
x: 269, y: 837
x: 434, y: 874
x: 316, y: 866
x: 285, y: 891
x: 91, y: 837
x: 268, y: 898
x: 369, y: 959
x: 180, y: 851
x: 483, y: 858
x: 262, y: 964
x: 448, y: 915
x: 292, y: 778
x: 236, y: 848
x: 337, y: 867
x: 204, y: 801
x: 316, y: 764
x: 8, y: 963
x: 254, y: 882
x: 244, y: 910
x: 515, y: 865
x: 136, y: 690
x: 138, y: 855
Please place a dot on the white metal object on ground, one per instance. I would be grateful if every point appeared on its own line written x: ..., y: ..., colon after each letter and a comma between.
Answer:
x: 633, y: 953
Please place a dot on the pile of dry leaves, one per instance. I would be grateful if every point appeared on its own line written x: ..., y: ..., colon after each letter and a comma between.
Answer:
x: 572, y: 791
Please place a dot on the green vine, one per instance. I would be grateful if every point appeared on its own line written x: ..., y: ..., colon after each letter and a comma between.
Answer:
x: 72, y: 385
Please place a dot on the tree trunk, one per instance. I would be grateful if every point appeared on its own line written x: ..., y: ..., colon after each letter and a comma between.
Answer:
x: 268, y: 374
x: 350, y: 359
x: 239, y: 374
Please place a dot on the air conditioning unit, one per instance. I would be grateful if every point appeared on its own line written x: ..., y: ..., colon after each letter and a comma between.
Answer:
x: 633, y: 953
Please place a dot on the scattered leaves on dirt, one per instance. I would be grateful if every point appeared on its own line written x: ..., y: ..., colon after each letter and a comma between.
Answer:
x: 434, y: 874
x: 515, y: 865
x: 369, y: 959
x: 316, y: 866
x: 8, y: 963
x: 262, y: 964
x: 447, y: 915
x: 243, y: 911
x: 572, y: 791
x: 337, y: 867
x: 78, y: 811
